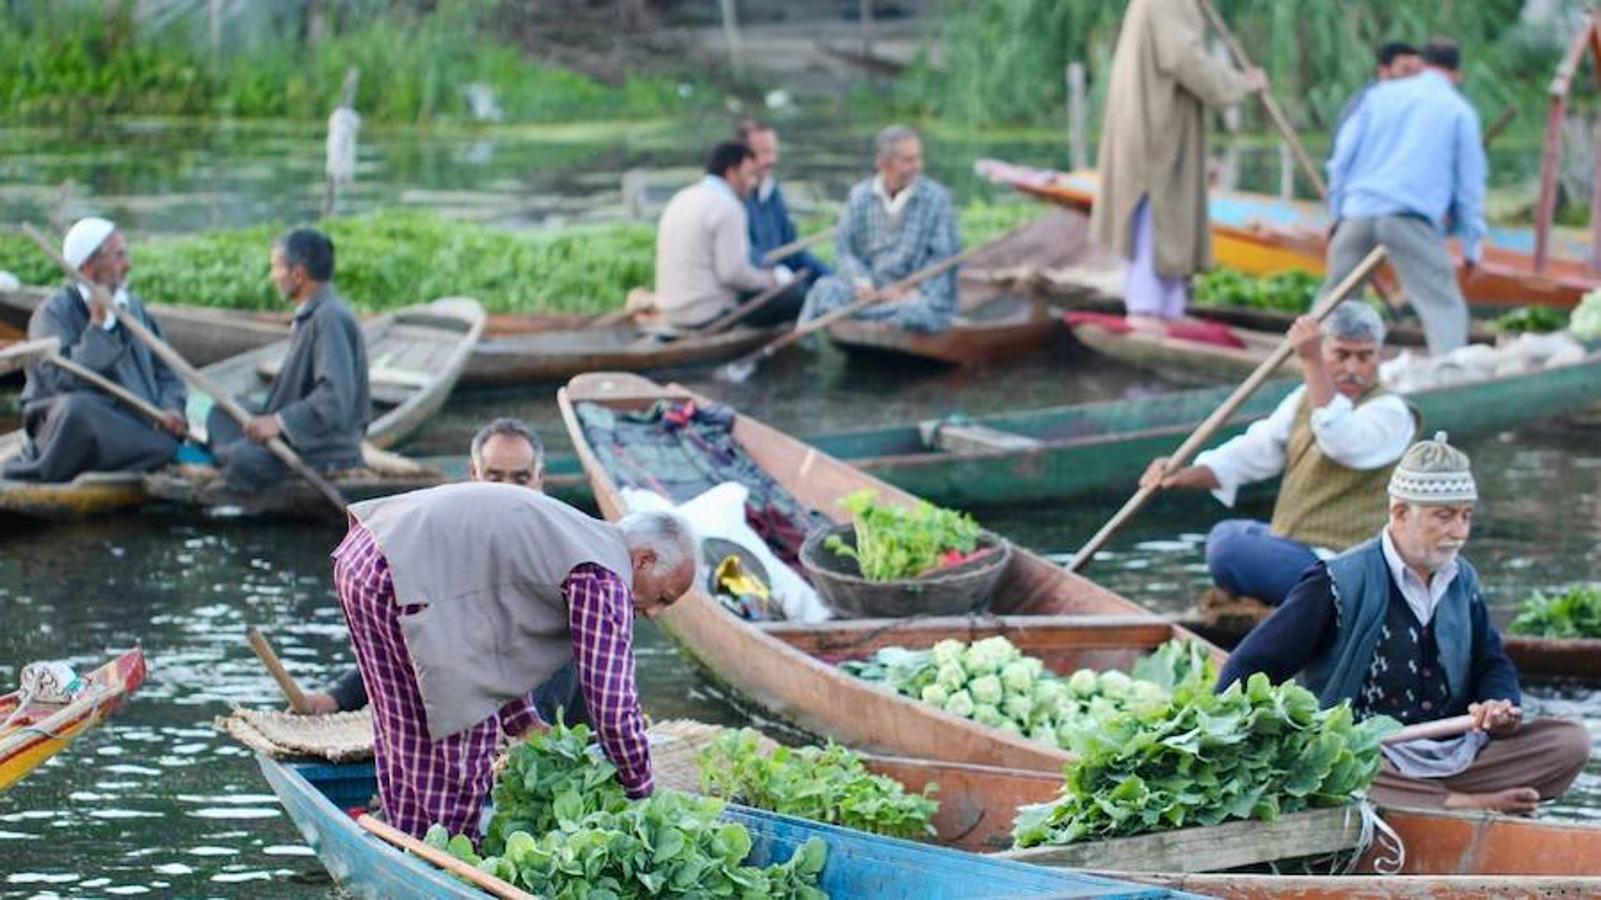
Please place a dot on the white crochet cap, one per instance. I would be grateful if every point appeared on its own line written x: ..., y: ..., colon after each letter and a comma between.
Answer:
x: 84, y: 238
x: 1434, y: 473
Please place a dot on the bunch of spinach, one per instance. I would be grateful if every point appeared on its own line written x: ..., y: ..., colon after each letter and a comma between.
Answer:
x: 824, y: 784
x: 894, y: 543
x: 551, y: 773
x: 1573, y: 613
x: 1252, y: 751
x: 1534, y: 319
x: 1290, y: 291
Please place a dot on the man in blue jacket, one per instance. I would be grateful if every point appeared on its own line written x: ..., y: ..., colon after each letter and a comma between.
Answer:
x: 1398, y: 627
x: 766, y: 212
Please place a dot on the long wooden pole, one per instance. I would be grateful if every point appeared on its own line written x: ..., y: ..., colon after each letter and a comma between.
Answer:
x: 498, y: 887
x: 194, y: 377
x: 796, y: 246
x: 739, y: 313
x: 1435, y: 730
x: 1227, y: 408
x: 275, y: 668
x: 89, y: 376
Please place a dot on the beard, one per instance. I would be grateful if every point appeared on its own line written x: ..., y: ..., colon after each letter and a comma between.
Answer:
x: 1441, y: 555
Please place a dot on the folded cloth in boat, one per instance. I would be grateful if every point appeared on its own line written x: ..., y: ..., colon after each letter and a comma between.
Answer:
x: 1425, y: 758
x: 720, y: 513
x: 49, y: 682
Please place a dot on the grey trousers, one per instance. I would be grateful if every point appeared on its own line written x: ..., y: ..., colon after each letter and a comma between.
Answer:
x: 82, y: 432
x: 1420, y: 257
x: 1545, y: 754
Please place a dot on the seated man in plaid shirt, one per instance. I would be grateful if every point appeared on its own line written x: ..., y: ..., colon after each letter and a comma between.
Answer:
x: 462, y: 598
x: 893, y: 225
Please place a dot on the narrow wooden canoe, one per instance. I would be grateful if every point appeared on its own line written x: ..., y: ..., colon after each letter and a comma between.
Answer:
x: 35, y: 732
x: 1179, y: 357
x: 203, y: 335
x: 319, y: 798
x: 790, y: 670
x: 1003, y: 328
x: 1262, y: 235
x: 560, y: 353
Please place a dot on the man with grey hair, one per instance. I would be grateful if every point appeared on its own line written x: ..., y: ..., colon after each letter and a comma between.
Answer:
x: 893, y: 224
x: 1333, y: 440
x: 319, y: 401
x: 1398, y: 626
x: 461, y: 599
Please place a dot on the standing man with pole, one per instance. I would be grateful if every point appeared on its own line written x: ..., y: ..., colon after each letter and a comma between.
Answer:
x: 1151, y: 204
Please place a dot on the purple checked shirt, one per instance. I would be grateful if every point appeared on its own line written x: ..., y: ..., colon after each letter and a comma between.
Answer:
x: 447, y: 781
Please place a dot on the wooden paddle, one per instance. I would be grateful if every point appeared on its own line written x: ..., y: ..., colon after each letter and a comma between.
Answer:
x: 1435, y: 730
x: 194, y: 377
x: 459, y: 868
x: 739, y: 313
x: 796, y: 246
x: 1227, y: 408
x: 286, y: 682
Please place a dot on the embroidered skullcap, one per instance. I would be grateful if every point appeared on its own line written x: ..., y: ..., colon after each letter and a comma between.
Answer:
x: 1434, y: 473
x: 84, y: 238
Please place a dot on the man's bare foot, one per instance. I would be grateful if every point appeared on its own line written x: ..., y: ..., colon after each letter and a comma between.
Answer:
x: 1521, y: 801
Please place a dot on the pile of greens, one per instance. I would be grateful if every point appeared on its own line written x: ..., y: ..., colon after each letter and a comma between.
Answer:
x: 1574, y: 613
x: 1585, y: 322
x: 1253, y: 751
x: 894, y: 543
x: 994, y: 684
x: 1533, y: 319
x: 824, y: 784
x: 1291, y: 291
x: 594, y: 843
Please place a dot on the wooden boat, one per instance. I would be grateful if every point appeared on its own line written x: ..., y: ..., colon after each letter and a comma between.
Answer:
x: 319, y: 798
x: 567, y: 349
x: 790, y: 671
x: 1002, y: 327
x: 1262, y: 235
x: 203, y: 334
x: 32, y: 733
x: 415, y: 356
x: 1228, y: 354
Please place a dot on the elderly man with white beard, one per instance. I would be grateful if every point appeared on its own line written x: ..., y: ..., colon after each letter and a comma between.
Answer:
x: 1398, y: 626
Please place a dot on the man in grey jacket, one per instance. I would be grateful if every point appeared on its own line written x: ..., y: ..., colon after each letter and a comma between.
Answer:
x: 319, y: 401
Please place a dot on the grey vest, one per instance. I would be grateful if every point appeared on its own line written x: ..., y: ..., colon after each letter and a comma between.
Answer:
x: 488, y: 561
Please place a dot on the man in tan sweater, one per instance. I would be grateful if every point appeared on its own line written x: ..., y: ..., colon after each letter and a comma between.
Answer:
x: 703, y: 266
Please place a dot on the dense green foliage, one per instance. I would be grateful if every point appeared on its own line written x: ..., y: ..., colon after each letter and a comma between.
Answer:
x: 1292, y: 291
x: 74, y: 59
x: 1573, y: 613
x: 1004, y: 59
x: 595, y: 844
x: 1535, y: 319
x: 894, y: 542
x: 1253, y: 751
x: 825, y: 784
x: 993, y: 683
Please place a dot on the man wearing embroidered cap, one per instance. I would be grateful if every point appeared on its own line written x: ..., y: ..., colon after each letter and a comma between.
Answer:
x: 71, y: 427
x: 1398, y: 627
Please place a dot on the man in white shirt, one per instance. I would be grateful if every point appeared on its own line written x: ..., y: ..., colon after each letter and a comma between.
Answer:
x: 1334, y: 441
x: 703, y: 265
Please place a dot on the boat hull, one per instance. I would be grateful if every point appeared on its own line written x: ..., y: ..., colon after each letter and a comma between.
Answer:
x: 42, y: 731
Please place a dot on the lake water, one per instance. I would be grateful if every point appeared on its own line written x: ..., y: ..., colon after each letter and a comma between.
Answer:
x: 157, y: 801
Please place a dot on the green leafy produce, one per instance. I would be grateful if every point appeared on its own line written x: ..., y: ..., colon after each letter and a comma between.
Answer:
x: 594, y: 843
x: 994, y: 684
x: 824, y: 784
x: 893, y: 542
x: 1573, y: 613
x: 1292, y: 291
x: 1253, y: 751
x: 1585, y: 322
x: 1535, y: 319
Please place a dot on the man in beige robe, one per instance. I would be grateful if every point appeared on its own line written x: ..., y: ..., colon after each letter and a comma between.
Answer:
x: 1151, y: 206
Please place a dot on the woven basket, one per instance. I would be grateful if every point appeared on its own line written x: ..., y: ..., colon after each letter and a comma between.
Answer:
x: 959, y: 589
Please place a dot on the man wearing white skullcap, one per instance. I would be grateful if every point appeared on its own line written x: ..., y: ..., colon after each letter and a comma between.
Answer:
x: 72, y: 427
x: 1331, y: 442
x: 1398, y: 627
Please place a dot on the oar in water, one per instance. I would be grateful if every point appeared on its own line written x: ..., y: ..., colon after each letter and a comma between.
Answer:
x: 194, y: 377
x: 496, y: 886
x: 286, y: 682
x: 1204, y: 433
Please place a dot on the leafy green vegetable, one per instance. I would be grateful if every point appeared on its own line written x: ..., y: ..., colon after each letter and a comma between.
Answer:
x: 1290, y: 291
x: 1574, y: 613
x: 824, y: 784
x: 894, y: 543
x: 1585, y: 322
x: 996, y: 685
x: 1253, y: 751
x: 1535, y: 319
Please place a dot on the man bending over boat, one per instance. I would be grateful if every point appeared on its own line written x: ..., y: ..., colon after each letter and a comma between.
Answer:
x: 1333, y: 440
x: 72, y: 427
x: 506, y: 451
x: 894, y: 224
x: 704, y: 266
x: 318, y: 401
x: 462, y: 598
x: 1398, y: 626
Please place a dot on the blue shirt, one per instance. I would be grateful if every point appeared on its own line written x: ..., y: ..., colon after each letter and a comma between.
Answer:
x: 1412, y: 147
x: 771, y: 227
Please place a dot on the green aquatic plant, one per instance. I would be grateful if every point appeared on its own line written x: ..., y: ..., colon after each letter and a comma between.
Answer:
x: 1292, y: 291
x: 893, y: 542
x: 1532, y: 319
x: 1574, y: 612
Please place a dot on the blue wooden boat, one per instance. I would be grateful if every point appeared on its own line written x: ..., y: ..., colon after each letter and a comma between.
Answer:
x: 317, y: 797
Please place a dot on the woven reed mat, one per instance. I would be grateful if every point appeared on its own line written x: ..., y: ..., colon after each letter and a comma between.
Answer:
x: 674, y: 745
x: 338, y: 737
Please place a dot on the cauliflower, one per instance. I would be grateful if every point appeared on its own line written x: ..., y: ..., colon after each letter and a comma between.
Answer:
x: 1147, y: 693
x: 1115, y: 684
x: 948, y: 653
x: 1103, y: 708
x: 1049, y: 694
x: 1018, y: 707
x: 1018, y: 677
x: 1043, y: 734
x: 989, y: 656
x: 988, y: 714
x: 936, y: 695
x: 1083, y: 683
x: 951, y: 676
x: 1010, y: 727
x: 987, y: 689
x: 960, y: 703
